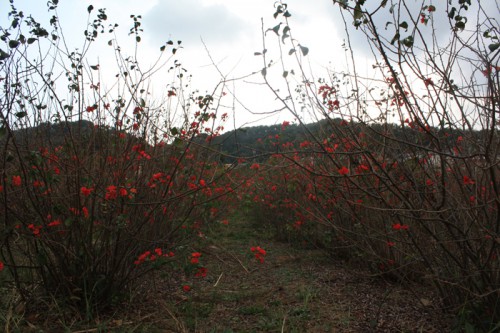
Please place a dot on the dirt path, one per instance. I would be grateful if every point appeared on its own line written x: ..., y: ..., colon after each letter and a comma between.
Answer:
x: 294, y: 290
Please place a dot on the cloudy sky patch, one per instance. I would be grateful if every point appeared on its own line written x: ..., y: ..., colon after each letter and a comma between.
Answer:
x: 192, y: 20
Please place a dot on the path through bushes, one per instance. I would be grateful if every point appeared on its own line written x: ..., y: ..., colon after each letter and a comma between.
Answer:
x: 296, y: 289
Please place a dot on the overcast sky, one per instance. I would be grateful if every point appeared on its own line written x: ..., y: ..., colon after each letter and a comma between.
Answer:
x: 231, y: 30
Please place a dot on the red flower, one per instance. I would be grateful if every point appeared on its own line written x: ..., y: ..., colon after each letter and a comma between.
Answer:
x: 259, y: 253
x: 16, y: 180
x: 123, y: 192
x: 91, y: 108
x: 255, y: 166
x: 54, y: 223
x: 343, y: 171
x: 195, y: 257
x: 38, y: 183
x: 111, y: 192
x: 1, y: 266
x: 35, y: 229
x: 186, y: 288
x: 85, y: 191
x: 468, y: 181
x: 202, y: 272
x: 399, y: 226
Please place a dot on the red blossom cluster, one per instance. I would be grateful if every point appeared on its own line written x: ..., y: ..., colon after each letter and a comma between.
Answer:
x: 259, y: 253
x: 16, y: 180
x: 195, y: 257
x: 152, y: 256
x: 399, y: 226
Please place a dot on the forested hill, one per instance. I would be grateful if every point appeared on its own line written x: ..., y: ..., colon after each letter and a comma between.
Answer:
x: 259, y: 142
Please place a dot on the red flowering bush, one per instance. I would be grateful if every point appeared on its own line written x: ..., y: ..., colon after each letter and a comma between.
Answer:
x: 94, y: 197
x: 396, y: 175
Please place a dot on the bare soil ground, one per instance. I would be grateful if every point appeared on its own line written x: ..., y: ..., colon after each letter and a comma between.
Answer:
x: 294, y: 290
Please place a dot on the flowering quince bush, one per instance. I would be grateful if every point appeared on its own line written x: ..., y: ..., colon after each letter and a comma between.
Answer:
x: 402, y: 175
x: 96, y: 192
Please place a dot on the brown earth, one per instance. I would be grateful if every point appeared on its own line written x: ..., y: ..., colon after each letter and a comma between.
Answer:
x: 294, y: 290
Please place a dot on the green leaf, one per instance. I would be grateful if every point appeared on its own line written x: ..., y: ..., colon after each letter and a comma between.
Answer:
x: 90, y: 8
x: 13, y: 43
x: 162, y: 48
x: 304, y: 50
x: 174, y: 50
x: 286, y: 29
x: 460, y: 25
x: 276, y: 29
x: 31, y: 40
x: 357, y: 12
x: 21, y: 114
x: 284, y: 37
x: 404, y: 25
x: 94, y: 67
x: 292, y: 51
x: 174, y: 131
x: 395, y: 38
x: 287, y: 14
x: 264, y: 71
x: 257, y: 53
x: 408, y: 41
x: 285, y: 74
x: 143, y: 102
x: 451, y: 14
x: 138, y: 39
x: 3, y: 55
x: 493, y: 47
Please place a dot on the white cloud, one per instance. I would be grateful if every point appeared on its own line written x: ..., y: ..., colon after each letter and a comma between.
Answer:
x: 190, y: 20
